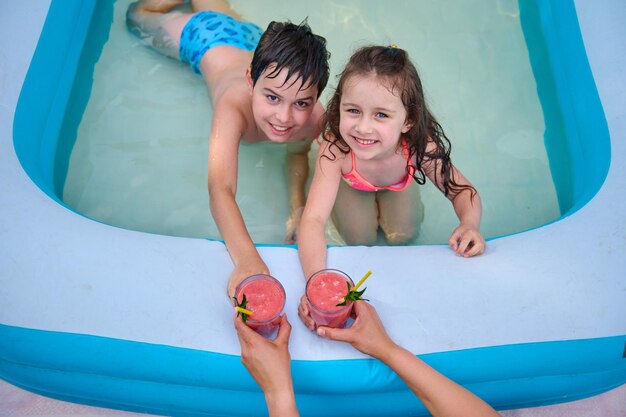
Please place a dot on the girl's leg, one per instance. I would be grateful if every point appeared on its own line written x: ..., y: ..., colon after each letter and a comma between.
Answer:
x: 400, y: 214
x: 356, y: 215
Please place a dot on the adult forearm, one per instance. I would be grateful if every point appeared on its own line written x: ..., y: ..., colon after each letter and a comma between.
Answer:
x: 281, y: 404
x: 441, y: 396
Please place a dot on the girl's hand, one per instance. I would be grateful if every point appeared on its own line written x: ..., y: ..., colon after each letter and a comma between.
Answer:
x: 467, y: 241
x: 305, y: 315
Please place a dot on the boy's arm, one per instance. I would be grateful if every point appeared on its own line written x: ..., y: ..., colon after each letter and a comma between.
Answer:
x: 319, y: 205
x: 226, y: 133
x: 297, y: 170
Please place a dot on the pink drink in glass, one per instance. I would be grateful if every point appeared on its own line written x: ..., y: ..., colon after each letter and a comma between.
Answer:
x: 266, y: 300
x: 324, y: 290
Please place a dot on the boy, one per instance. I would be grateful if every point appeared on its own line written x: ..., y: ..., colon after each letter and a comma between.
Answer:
x: 269, y: 96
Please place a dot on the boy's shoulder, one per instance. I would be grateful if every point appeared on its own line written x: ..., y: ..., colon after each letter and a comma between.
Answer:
x: 233, y: 109
x: 234, y: 96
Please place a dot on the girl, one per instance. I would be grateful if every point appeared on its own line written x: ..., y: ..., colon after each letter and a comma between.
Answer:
x: 379, y: 137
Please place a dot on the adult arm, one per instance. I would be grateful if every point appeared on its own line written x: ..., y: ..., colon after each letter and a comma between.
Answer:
x: 269, y: 363
x: 297, y: 170
x: 226, y: 133
x: 441, y: 396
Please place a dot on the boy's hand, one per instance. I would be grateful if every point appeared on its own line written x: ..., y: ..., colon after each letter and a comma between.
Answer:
x: 367, y: 333
x: 243, y: 271
x: 467, y: 241
x: 292, y: 224
x: 305, y: 315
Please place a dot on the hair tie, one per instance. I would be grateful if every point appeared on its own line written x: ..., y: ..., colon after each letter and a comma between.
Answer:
x: 393, y: 46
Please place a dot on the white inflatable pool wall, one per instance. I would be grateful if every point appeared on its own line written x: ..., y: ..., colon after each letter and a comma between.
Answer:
x: 62, y: 272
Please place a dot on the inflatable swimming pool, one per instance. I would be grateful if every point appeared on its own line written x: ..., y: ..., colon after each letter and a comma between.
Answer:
x: 99, y: 315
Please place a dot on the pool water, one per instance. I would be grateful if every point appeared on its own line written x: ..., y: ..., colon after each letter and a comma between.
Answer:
x: 140, y: 157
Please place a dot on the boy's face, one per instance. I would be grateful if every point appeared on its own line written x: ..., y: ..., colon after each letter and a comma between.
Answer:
x: 280, y: 108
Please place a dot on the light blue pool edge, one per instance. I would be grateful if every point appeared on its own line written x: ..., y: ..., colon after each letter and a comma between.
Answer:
x: 40, y: 171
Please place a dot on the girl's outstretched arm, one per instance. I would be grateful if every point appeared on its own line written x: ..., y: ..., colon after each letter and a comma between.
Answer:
x: 466, y: 240
x: 319, y: 205
x: 441, y: 396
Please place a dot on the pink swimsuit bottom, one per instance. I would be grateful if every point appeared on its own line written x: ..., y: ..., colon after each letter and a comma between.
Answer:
x: 356, y: 181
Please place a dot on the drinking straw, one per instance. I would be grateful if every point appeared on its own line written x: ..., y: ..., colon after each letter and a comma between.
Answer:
x: 362, y: 280
x: 243, y: 310
x: 358, y: 284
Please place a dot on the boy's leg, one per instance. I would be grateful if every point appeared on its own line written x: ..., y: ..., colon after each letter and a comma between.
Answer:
x: 400, y: 214
x: 156, y: 24
x: 356, y: 215
x: 221, y: 6
x: 158, y: 6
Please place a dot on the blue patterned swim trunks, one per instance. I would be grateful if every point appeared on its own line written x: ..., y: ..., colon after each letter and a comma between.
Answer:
x: 208, y: 29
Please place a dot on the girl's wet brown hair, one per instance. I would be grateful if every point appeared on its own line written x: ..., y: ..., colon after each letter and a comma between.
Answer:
x: 394, y: 68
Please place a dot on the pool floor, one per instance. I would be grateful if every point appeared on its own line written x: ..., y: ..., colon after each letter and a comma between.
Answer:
x: 140, y: 158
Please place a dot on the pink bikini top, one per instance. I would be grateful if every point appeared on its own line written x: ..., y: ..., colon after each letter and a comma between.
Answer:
x: 356, y: 181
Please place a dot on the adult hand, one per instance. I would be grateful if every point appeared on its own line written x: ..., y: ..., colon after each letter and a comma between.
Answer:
x: 367, y: 334
x: 467, y: 241
x: 243, y: 271
x: 268, y: 361
x: 305, y: 314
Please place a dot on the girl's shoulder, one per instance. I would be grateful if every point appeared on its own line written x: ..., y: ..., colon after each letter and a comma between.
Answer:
x: 431, y: 145
x: 432, y: 148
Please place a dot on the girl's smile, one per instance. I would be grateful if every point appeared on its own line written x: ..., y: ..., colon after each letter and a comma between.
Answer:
x: 364, y: 142
x: 373, y: 117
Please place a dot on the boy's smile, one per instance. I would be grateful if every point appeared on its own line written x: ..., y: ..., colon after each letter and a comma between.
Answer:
x: 280, y: 108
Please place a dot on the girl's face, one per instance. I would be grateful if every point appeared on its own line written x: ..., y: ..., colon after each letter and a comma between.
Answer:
x: 372, y: 117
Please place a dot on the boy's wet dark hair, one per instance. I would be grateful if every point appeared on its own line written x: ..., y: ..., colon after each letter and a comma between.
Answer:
x: 296, y: 48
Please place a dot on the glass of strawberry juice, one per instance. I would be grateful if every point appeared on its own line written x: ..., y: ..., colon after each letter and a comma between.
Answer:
x: 324, y: 290
x: 266, y: 299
